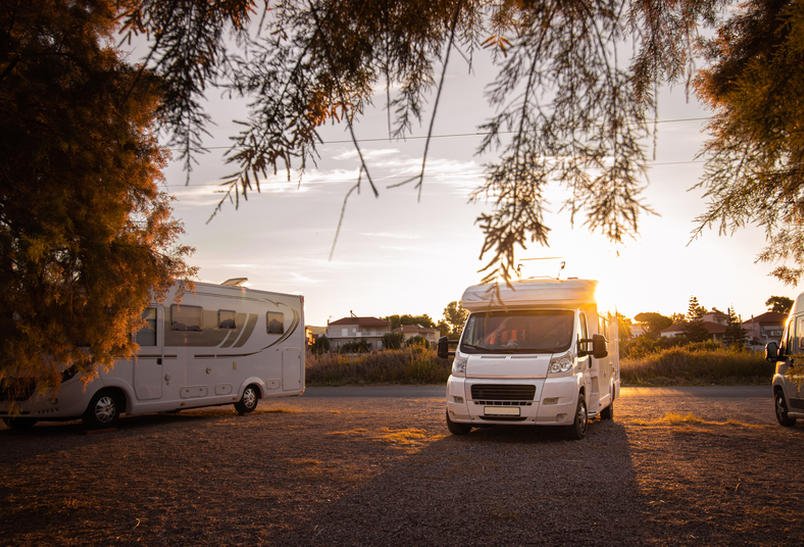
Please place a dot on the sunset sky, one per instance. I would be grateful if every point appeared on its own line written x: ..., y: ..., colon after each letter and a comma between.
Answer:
x: 397, y: 256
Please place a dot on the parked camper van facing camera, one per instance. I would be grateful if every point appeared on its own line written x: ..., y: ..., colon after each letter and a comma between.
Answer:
x: 212, y: 345
x: 540, y: 353
x: 788, y: 380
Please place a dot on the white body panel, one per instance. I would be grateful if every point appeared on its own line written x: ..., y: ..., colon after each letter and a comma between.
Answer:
x: 205, y: 364
x: 485, y: 393
x: 789, y: 375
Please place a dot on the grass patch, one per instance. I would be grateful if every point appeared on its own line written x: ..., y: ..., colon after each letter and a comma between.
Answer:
x: 414, y: 365
x: 685, y: 366
x: 409, y: 436
x: 690, y: 419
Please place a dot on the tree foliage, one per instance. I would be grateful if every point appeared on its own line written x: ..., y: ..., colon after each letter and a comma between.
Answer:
x: 454, y: 317
x: 397, y: 321
x: 570, y: 107
x: 779, y: 304
x: 694, y: 327
x: 654, y: 323
x: 755, y: 157
x: 85, y: 235
x: 735, y: 335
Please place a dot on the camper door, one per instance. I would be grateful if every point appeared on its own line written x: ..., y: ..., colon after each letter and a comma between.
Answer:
x: 147, y: 365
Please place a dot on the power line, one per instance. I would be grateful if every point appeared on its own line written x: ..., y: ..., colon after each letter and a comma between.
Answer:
x: 441, y: 136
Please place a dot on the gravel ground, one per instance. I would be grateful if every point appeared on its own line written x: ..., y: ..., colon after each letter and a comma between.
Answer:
x: 341, y: 468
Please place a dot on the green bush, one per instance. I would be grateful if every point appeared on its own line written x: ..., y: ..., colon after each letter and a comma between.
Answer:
x: 702, y: 363
x: 414, y: 365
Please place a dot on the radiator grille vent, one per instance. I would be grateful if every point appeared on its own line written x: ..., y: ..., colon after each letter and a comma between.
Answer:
x: 503, y: 392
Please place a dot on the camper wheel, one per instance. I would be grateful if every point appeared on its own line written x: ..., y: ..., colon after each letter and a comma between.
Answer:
x: 577, y: 430
x: 457, y: 428
x: 781, y: 409
x: 103, y: 410
x: 248, y: 402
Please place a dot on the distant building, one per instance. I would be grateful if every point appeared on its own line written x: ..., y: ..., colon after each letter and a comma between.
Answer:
x: 673, y: 331
x: 357, y: 329
x: 716, y: 330
x: 716, y: 316
x: 764, y: 328
x: 410, y: 331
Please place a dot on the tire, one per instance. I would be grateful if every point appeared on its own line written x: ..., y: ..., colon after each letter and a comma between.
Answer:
x: 457, y: 428
x: 248, y: 402
x: 577, y: 430
x: 19, y: 424
x: 103, y: 410
x: 608, y: 412
x: 781, y: 409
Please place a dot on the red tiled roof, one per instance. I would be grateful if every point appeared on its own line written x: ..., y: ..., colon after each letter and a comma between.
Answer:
x: 714, y: 328
x: 768, y: 318
x: 363, y: 322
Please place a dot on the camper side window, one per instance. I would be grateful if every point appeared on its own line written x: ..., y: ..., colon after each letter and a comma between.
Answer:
x: 146, y: 336
x: 583, y: 332
x: 275, y: 322
x: 184, y: 318
x: 226, y: 319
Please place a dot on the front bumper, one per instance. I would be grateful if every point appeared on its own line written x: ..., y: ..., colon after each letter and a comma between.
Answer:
x: 554, y: 402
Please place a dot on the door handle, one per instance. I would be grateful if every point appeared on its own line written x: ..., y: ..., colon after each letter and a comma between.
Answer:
x: 158, y: 360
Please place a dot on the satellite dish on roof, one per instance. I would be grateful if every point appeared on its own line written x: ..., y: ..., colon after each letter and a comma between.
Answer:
x: 235, y: 282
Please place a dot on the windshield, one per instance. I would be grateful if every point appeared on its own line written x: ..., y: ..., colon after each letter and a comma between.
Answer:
x: 543, y: 331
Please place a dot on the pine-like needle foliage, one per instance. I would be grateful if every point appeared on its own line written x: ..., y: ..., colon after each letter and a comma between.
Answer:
x: 85, y: 235
x: 572, y: 99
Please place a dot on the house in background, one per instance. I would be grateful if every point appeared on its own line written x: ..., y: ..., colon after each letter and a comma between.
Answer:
x: 357, y: 329
x: 410, y: 331
x: 764, y: 328
x: 716, y: 330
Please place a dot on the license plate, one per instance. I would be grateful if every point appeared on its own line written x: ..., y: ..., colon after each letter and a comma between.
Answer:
x: 501, y: 411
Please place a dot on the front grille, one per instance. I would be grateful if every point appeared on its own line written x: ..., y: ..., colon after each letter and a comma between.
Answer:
x: 521, y: 394
x: 16, y: 389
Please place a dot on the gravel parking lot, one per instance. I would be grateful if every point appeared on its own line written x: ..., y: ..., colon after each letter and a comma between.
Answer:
x: 377, y: 466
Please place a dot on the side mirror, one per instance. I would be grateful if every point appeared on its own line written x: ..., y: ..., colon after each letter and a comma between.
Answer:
x: 443, y: 347
x: 771, y: 351
x: 599, y: 347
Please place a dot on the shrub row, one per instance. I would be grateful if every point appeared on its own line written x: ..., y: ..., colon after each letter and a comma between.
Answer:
x: 413, y: 365
x: 696, y: 365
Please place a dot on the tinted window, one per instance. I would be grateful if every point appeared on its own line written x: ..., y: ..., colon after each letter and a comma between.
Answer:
x: 544, y: 331
x: 146, y: 336
x: 186, y: 318
x: 226, y: 319
x: 275, y: 322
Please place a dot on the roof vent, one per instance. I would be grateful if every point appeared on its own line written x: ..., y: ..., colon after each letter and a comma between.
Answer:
x: 235, y: 282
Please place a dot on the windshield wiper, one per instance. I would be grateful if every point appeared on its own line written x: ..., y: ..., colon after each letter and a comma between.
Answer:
x: 472, y: 346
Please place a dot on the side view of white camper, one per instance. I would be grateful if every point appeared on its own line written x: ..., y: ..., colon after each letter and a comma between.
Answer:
x: 538, y: 353
x: 212, y: 345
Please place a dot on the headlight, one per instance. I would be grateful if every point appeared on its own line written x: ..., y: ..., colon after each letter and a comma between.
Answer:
x: 561, y: 364
x: 459, y: 365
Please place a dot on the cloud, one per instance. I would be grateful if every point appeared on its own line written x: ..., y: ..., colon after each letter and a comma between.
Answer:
x: 368, y: 154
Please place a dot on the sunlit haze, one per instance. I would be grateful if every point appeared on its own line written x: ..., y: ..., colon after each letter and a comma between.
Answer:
x: 395, y: 255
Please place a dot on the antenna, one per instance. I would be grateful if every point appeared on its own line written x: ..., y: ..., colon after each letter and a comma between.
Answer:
x: 235, y: 282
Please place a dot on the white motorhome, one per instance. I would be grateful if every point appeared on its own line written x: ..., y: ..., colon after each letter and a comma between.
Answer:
x: 212, y: 345
x: 788, y: 380
x: 535, y: 353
